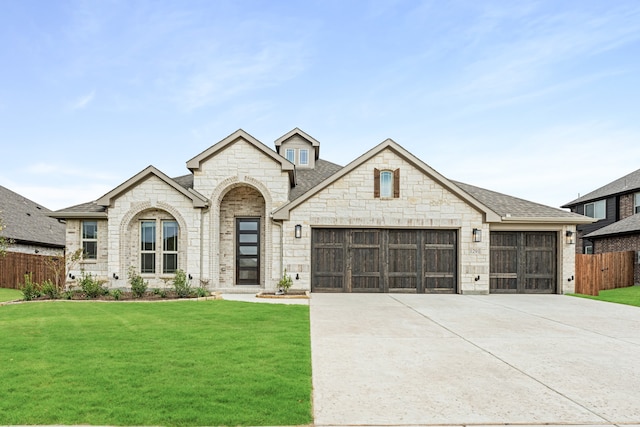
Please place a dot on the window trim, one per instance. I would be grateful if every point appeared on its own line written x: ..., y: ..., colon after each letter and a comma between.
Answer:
x: 84, y: 239
x: 594, y: 204
x: 636, y: 203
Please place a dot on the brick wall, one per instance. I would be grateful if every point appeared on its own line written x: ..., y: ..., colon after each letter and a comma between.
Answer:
x: 620, y: 244
x: 626, y: 206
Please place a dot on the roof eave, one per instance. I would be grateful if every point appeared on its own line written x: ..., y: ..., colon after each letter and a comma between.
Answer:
x: 72, y: 215
x: 547, y: 220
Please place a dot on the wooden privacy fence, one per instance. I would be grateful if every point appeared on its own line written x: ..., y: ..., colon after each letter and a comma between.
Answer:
x: 598, y: 272
x: 14, y: 265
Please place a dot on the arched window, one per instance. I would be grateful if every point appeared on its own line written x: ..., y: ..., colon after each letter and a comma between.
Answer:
x: 158, y: 251
x: 386, y: 183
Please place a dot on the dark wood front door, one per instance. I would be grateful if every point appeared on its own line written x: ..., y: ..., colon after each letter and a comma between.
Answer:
x: 247, y: 251
x: 380, y: 260
x: 523, y: 262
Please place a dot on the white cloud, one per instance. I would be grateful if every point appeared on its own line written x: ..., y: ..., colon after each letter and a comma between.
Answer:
x: 82, y: 102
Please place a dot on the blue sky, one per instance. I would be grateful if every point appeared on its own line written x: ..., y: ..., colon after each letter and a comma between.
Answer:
x: 536, y: 99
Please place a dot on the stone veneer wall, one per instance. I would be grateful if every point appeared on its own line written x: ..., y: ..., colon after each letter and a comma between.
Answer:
x: 621, y: 244
x: 423, y: 204
x: 97, y: 267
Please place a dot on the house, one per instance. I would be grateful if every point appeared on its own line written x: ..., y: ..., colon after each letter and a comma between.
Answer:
x: 616, y: 209
x: 386, y: 222
x: 28, y: 226
x: 608, y: 204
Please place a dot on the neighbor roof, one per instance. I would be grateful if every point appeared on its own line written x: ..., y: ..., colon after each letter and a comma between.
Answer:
x: 28, y: 222
x: 622, y: 185
x: 625, y: 226
x: 514, y: 209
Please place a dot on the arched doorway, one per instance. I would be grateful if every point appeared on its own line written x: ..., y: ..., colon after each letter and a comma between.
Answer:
x: 242, y: 237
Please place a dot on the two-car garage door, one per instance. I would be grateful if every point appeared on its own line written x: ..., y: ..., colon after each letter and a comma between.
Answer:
x: 384, y: 260
x: 425, y: 261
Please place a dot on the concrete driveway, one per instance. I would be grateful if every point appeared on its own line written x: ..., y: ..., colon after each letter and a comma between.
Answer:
x: 388, y: 359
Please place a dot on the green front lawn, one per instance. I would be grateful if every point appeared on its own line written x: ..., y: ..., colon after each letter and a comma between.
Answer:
x: 629, y: 296
x: 181, y: 363
x: 9, y: 294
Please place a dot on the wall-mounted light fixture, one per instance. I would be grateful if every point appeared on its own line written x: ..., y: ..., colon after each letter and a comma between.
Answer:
x: 477, y: 235
x: 115, y: 276
x: 297, y: 276
x: 475, y: 279
x: 71, y: 276
x: 570, y: 239
x: 298, y: 232
x: 190, y: 276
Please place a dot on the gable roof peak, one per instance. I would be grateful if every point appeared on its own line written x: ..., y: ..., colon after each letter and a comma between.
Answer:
x: 197, y: 199
x: 196, y: 162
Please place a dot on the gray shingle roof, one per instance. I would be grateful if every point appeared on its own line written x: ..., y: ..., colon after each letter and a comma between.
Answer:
x: 309, y: 178
x: 626, y: 184
x: 505, y: 205
x: 28, y: 222
x: 185, y: 181
x: 89, y: 207
x: 624, y: 226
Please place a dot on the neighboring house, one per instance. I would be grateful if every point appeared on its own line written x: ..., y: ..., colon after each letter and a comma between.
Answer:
x: 386, y: 222
x: 608, y: 205
x: 616, y: 207
x: 29, y: 227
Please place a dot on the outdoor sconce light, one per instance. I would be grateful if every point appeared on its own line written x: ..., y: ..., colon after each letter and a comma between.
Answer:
x: 475, y: 279
x: 297, y: 276
x: 190, y: 277
x: 570, y: 239
x: 71, y: 276
x: 298, y: 232
x: 115, y: 276
x: 477, y: 235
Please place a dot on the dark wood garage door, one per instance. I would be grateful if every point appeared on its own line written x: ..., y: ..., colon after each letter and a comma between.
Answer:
x: 374, y: 260
x: 523, y: 262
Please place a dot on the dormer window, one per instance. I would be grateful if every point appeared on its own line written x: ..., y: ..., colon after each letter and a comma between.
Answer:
x: 597, y: 210
x: 304, y: 157
x: 290, y: 153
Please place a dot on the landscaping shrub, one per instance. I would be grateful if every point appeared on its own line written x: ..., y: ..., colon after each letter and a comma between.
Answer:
x: 138, y: 285
x: 91, y: 287
x: 116, y: 294
x: 50, y: 289
x: 30, y: 289
x: 181, y: 285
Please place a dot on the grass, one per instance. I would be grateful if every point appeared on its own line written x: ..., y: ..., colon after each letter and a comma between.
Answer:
x: 9, y: 294
x: 629, y: 296
x: 167, y: 364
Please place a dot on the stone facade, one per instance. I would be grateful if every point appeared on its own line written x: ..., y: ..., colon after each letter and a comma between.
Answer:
x: 239, y: 178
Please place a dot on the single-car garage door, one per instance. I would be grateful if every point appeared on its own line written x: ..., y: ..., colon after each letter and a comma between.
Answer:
x: 523, y: 262
x: 384, y: 260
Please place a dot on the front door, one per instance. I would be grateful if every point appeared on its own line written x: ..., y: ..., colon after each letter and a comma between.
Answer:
x: 248, y: 251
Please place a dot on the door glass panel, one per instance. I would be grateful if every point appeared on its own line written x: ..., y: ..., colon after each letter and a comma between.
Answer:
x: 248, y: 238
x: 248, y: 226
x: 248, y: 262
x: 248, y: 250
